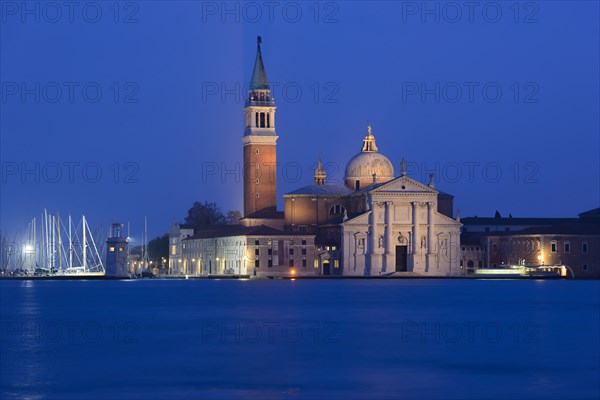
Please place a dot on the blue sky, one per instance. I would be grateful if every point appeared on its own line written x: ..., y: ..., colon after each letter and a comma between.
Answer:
x: 136, y: 110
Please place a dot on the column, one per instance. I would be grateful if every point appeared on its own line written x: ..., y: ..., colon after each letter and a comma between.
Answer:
x: 415, y: 230
x: 416, y: 240
x: 373, y: 254
x: 345, y: 261
x: 430, y: 234
x: 389, y: 265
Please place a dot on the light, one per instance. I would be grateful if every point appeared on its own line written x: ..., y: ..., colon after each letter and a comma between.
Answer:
x: 217, y: 258
x: 293, y: 272
x: 28, y: 248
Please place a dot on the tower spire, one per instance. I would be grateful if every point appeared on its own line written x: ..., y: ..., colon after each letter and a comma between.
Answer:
x: 259, y: 75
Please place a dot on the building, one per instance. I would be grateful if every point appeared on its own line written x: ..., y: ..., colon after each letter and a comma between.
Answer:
x: 547, y: 243
x: 117, y: 250
x: 241, y: 250
x: 177, y: 234
x: 260, y: 151
x: 380, y: 223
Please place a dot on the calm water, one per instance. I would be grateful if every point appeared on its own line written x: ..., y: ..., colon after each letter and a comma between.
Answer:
x: 300, y: 339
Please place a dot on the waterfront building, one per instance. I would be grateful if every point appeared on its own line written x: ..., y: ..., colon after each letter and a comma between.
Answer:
x: 240, y: 250
x: 117, y: 250
x: 569, y: 244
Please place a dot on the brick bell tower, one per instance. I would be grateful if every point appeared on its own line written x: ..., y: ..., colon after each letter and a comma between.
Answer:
x: 260, y: 144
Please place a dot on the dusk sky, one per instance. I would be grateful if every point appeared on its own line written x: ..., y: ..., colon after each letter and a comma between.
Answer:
x: 173, y: 79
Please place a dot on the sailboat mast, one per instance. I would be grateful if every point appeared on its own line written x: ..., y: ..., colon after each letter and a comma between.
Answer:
x: 84, y: 244
x: 60, y: 249
x: 70, y: 244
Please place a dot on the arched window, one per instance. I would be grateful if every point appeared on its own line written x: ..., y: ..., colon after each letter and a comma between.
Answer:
x: 337, y: 210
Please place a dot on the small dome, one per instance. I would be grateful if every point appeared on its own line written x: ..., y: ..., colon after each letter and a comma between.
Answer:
x: 368, y: 165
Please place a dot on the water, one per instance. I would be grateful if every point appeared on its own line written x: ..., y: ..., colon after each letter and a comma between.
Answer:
x: 351, y: 339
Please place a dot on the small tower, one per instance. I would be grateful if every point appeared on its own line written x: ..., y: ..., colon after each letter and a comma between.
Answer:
x: 260, y: 143
x: 320, y: 175
x: 116, y: 253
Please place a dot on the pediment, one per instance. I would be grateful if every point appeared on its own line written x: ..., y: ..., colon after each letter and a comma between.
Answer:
x: 404, y: 184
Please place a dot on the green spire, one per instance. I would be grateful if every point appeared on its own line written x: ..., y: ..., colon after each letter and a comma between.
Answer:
x: 259, y: 76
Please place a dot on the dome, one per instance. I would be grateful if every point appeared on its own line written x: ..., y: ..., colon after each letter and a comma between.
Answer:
x: 369, y: 162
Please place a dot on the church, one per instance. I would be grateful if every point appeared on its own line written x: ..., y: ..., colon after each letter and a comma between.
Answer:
x: 381, y: 223
x: 376, y: 224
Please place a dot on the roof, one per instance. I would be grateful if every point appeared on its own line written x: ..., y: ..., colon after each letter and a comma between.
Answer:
x: 514, y: 221
x: 323, y: 190
x: 215, y: 231
x: 580, y: 228
x: 266, y: 214
x: 259, y: 75
x: 595, y: 213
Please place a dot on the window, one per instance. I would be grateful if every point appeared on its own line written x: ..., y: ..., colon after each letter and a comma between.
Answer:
x: 463, y: 248
x: 303, y: 252
x: 256, y: 263
x: 173, y: 249
x: 333, y: 248
x: 584, y: 247
x: 291, y: 251
x: 257, y: 195
x: 337, y: 210
x: 270, y: 263
x: 567, y: 247
x: 303, y: 242
x: 553, y: 246
x: 495, y: 248
x: 111, y: 249
x: 257, y: 251
x: 336, y: 263
x: 269, y: 243
x: 584, y: 267
x: 316, y: 263
x: 121, y: 249
x: 304, y: 262
x: 270, y: 251
x: 291, y: 262
x: 262, y: 120
x: 256, y: 242
x: 257, y: 151
x: 257, y: 181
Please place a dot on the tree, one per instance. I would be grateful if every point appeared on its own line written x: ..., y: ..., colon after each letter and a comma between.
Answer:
x: 158, y: 248
x: 204, y: 214
x: 233, y: 217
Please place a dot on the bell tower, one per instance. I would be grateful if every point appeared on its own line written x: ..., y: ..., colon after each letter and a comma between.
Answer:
x: 260, y: 143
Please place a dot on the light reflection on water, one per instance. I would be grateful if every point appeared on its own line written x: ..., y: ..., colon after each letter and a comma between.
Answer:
x: 300, y: 339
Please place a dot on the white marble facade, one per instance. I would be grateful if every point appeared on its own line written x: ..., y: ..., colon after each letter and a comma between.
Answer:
x: 402, y: 232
